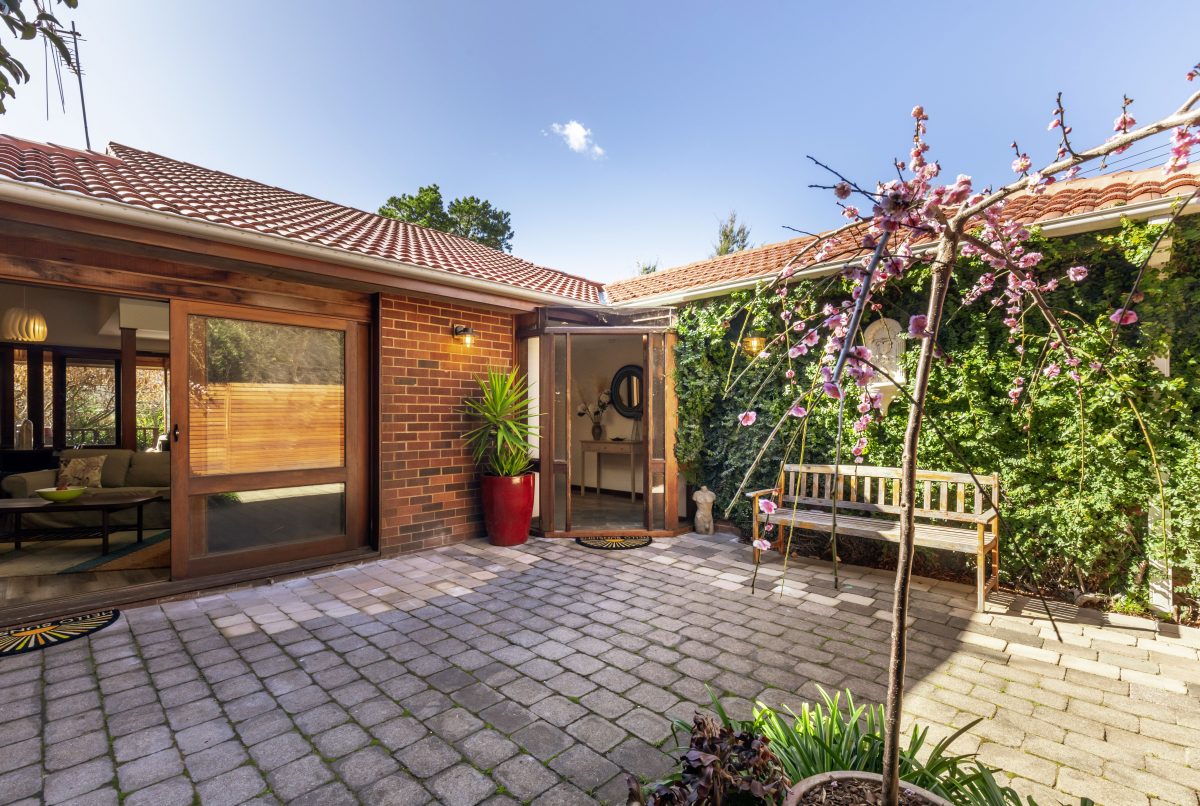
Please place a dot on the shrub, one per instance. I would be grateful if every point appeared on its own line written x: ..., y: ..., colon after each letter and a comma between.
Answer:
x: 731, y: 761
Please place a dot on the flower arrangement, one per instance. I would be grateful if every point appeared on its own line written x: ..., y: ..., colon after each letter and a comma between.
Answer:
x: 595, y: 412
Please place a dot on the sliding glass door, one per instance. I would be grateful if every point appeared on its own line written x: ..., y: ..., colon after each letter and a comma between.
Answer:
x: 269, y: 437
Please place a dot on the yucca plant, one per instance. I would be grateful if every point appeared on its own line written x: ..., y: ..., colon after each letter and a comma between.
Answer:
x: 500, y: 443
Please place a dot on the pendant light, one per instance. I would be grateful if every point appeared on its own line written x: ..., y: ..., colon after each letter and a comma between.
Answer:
x: 23, y: 324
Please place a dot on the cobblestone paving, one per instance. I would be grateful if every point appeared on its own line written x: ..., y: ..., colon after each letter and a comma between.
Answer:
x: 538, y: 674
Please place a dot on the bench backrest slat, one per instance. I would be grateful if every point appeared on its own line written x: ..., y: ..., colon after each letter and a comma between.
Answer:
x: 868, y: 488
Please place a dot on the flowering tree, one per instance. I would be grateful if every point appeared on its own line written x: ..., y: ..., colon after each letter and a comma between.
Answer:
x: 916, y: 222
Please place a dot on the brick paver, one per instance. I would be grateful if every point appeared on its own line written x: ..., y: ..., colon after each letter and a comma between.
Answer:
x: 540, y: 674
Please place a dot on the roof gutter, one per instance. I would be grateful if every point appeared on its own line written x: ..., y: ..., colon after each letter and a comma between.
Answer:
x: 72, y: 202
x: 1055, y: 228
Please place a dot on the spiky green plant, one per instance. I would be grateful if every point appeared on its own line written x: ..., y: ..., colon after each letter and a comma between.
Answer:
x: 832, y: 736
x: 500, y: 443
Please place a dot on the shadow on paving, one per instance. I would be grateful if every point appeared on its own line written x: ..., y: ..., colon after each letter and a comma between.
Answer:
x: 541, y: 673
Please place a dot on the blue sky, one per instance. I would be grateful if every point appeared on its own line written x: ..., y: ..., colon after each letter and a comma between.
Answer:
x: 699, y: 107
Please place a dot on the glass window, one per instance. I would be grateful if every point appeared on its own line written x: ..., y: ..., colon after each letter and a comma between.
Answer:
x: 237, y: 521
x: 264, y: 397
x: 91, y: 398
x: 152, y: 405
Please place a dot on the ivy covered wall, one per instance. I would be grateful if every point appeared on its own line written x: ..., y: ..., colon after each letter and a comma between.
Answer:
x: 1075, y: 463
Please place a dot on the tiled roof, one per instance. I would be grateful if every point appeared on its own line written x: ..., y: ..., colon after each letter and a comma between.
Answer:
x: 1059, y: 201
x: 142, y: 179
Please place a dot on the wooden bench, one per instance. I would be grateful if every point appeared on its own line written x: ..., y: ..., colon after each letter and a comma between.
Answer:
x: 951, y: 512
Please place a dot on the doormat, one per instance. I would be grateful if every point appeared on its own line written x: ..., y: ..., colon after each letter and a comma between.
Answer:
x: 31, y: 638
x: 613, y: 543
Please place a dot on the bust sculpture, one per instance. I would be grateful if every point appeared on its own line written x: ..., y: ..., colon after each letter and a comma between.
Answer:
x: 704, y: 499
x: 883, y: 338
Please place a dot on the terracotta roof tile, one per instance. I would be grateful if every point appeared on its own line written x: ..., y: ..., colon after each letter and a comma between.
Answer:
x: 143, y: 179
x: 1060, y: 200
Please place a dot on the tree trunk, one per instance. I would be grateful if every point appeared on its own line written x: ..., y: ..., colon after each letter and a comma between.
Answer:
x: 942, y: 268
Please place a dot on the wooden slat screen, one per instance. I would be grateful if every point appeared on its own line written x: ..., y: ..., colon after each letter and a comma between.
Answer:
x: 259, y: 427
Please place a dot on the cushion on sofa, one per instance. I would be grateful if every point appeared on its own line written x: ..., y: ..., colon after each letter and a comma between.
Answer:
x: 115, y: 466
x: 149, y: 470
x: 82, y: 471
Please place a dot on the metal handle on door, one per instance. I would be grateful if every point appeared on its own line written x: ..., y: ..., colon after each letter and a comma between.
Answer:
x: 175, y: 432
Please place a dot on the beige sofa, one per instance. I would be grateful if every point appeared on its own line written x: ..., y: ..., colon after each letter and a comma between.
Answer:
x: 124, y: 472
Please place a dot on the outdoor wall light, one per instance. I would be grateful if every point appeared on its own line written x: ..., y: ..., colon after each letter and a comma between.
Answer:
x: 753, y: 345
x: 463, y: 335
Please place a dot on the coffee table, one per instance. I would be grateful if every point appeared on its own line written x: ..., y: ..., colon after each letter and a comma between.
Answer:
x: 105, y: 504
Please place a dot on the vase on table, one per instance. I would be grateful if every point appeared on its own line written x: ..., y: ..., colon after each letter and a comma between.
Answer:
x: 597, y: 431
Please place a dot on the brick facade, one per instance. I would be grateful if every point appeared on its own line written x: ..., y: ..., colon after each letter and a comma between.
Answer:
x: 428, y: 486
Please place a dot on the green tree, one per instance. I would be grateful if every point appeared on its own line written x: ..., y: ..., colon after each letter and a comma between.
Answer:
x: 731, y: 236
x: 648, y: 267
x: 26, y: 23
x: 470, y: 216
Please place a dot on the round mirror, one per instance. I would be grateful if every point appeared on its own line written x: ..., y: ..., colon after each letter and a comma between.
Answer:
x: 626, y: 391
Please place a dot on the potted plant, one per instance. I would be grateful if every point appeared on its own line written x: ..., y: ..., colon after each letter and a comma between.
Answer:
x: 500, y: 446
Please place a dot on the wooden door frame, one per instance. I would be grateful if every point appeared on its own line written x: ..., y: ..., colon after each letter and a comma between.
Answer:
x: 546, y: 466
x: 354, y: 474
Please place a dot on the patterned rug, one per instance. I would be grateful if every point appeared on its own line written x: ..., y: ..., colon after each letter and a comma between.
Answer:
x: 40, y: 558
x: 613, y: 543
x: 33, y: 637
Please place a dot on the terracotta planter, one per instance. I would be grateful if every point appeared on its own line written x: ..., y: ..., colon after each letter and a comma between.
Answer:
x: 507, y: 508
x: 802, y: 788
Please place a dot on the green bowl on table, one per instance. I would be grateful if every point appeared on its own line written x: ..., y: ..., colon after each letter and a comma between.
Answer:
x: 60, y: 496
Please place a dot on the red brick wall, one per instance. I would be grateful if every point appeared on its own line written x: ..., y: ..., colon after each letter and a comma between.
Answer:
x: 428, y: 487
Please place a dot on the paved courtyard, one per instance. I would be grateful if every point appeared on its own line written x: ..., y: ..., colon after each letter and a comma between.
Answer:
x: 539, y: 674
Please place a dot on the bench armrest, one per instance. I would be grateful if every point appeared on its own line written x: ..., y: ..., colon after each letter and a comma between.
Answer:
x: 761, y: 493
x: 987, y: 516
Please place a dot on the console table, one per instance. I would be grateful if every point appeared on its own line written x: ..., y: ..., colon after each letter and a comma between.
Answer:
x: 606, y: 446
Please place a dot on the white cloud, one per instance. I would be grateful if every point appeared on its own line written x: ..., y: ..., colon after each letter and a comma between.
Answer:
x: 578, y: 138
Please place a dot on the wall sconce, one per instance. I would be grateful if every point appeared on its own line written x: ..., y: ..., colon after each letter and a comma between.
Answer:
x: 463, y: 334
x: 753, y: 345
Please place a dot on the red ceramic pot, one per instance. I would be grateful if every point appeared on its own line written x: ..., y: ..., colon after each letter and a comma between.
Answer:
x: 507, y: 508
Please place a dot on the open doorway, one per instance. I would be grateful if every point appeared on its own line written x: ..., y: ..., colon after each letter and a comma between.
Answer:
x: 84, y: 407
x: 605, y: 446
x: 608, y: 447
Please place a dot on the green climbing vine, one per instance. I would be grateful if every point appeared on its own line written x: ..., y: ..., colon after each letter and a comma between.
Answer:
x: 1077, y: 469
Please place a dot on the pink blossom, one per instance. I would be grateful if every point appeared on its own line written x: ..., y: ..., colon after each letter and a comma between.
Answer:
x: 1077, y: 273
x: 1052, y: 370
x: 767, y: 506
x: 1124, y: 122
x: 1021, y: 164
x: 832, y: 390
x: 917, y: 325
x: 1054, y: 124
x: 797, y: 350
x: 762, y: 545
x: 918, y: 111
x: 748, y: 417
x: 1096, y: 365
x: 791, y: 373
x: 798, y: 411
x: 1137, y: 296
x: 850, y: 212
x: 1123, y: 316
x: 1182, y: 141
x: 842, y: 190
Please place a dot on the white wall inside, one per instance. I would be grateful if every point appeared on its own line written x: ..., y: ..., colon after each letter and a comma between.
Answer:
x: 594, y: 360
x: 87, y: 319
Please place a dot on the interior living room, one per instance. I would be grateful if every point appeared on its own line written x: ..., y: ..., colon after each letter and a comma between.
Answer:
x: 84, y: 467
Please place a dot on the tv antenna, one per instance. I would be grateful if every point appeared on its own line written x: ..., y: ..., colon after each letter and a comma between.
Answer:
x: 75, y: 66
